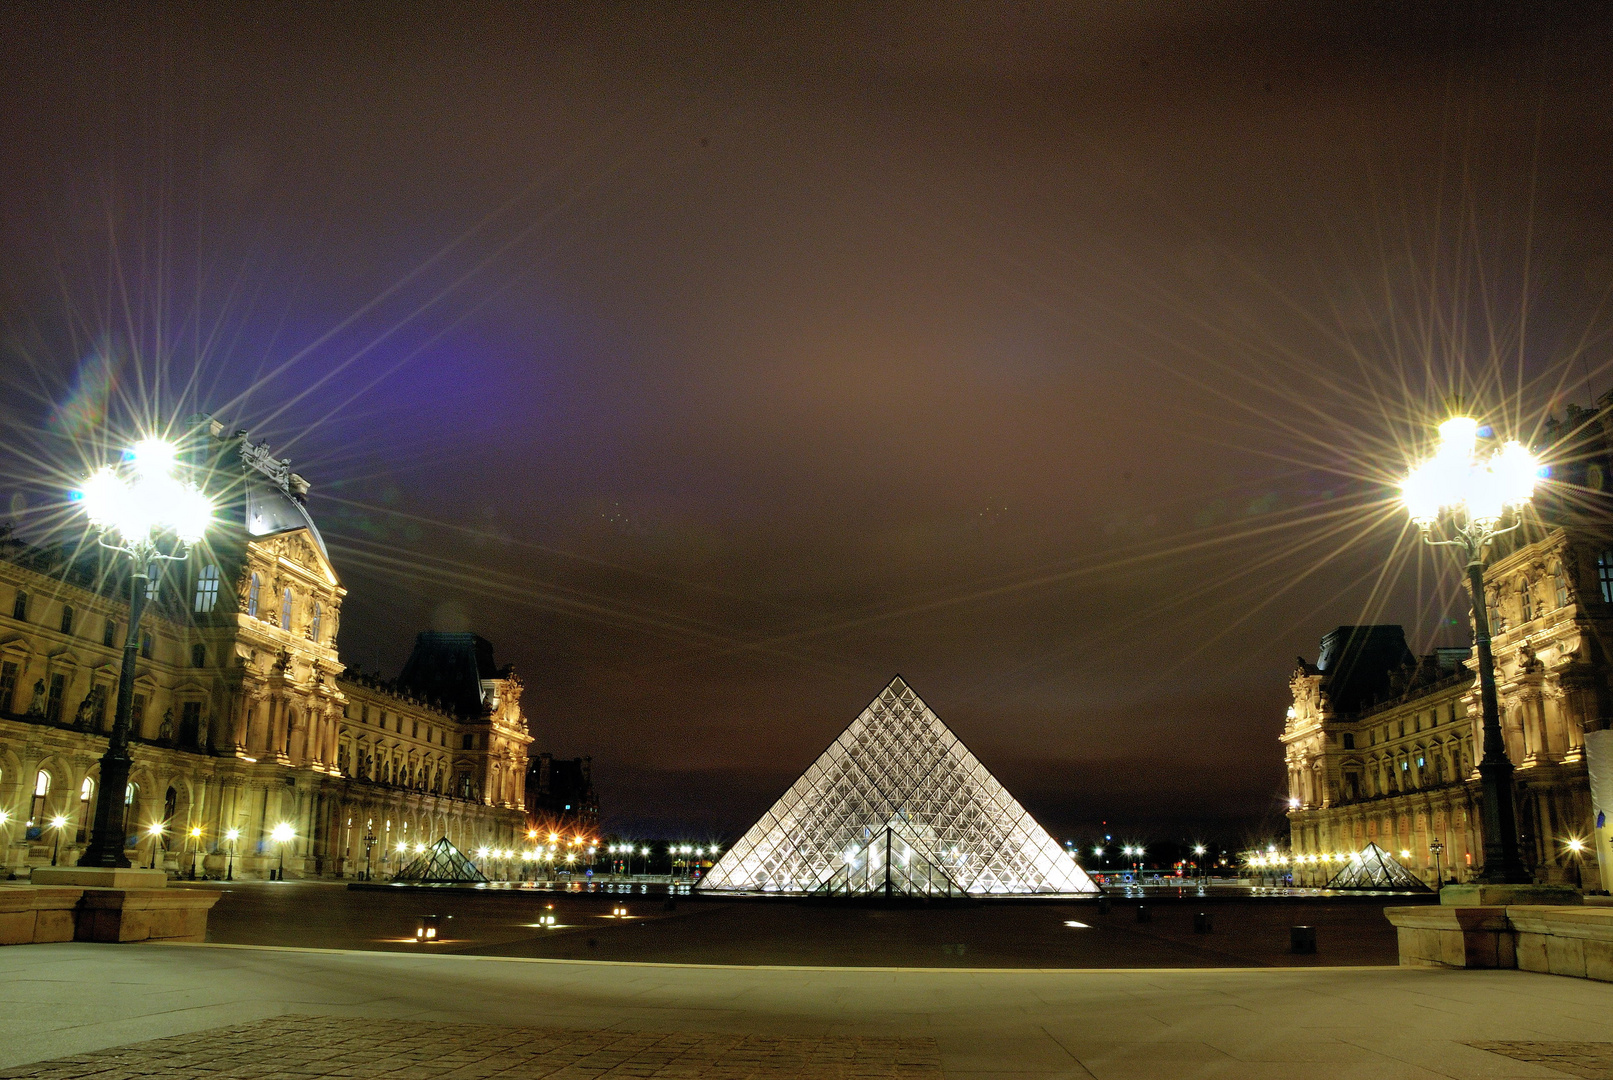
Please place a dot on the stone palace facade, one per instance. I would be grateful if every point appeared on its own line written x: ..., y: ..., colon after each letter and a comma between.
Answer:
x: 1383, y: 746
x: 245, y: 717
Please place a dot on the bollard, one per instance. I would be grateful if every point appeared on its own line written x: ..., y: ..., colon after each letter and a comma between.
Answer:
x: 1201, y: 923
x: 1143, y: 914
x: 1302, y: 939
x: 1103, y: 905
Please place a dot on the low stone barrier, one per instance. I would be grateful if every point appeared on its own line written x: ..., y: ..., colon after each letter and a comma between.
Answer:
x: 1565, y: 940
x: 30, y: 914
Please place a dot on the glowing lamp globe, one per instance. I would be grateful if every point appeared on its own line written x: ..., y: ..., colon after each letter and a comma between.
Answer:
x: 282, y: 833
x: 145, y: 497
x: 1459, y: 480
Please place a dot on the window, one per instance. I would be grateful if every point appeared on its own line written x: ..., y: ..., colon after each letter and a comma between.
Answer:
x: 285, y: 610
x: 36, y: 808
x: 207, y: 588
x: 313, y: 627
x: 252, y: 592
x: 468, y: 741
x: 414, y: 732
x: 1604, y: 575
x: 98, y: 709
x: 190, y: 723
x: 1562, y: 589
x: 67, y: 618
x: 1402, y: 729
x: 85, y: 791
x: 198, y: 655
x: 145, y: 645
x: 130, y: 793
x: 1526, y: 600
x: 1349, y: 741
x: 170, y: 803
x: 19, y: 606
x: 53, y: 703
x: 8, y: 685
x: 137, y: 715
x: 109, y: 633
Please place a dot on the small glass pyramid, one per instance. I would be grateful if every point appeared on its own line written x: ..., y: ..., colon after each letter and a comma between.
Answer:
x: 897, y: 806
x: 440, y: 864
x: 1374, y: 868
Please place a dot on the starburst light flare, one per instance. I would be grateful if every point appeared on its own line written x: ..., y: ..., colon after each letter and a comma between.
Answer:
x: 1478, y: 491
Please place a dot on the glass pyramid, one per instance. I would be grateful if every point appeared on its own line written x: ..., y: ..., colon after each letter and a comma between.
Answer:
x: 440, y: 864
x: 897, y: 806
x: 1374, y: 868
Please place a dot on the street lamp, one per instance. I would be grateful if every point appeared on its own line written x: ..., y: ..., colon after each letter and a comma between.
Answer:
x: 369, y: 842
x: 196, y: 838
x: 58, y: 823
x: 1435, y: 848
x: 232, y: 836
x: 283, y: 834
x: 133, y: 505
x: 155, y: 829
x: 1459, y: 499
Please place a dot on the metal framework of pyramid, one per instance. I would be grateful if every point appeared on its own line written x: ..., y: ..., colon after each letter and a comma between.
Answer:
x: 897, y: 806
x: 1374, y: 868
x: 440, y: 864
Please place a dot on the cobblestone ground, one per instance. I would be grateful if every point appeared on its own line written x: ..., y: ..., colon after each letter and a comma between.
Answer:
x: 1593, y: 1061
x: 305, y: 1047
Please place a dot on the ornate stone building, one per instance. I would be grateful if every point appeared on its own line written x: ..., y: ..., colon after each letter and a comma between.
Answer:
x: 1383, y: 746
x: 244, y: 716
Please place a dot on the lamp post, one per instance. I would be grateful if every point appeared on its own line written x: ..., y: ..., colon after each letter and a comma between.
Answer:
x: 283, y: 834
x: 1459, y: 500
x: 1435, y: 848
x: 369, y: 842
x: 196, y: 843
x: 133, y: 506
x: 155, y: 829
x: 58, y: 823
x: 232, y: 836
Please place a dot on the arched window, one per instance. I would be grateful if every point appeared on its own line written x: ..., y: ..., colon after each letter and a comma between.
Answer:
x: 36, y: 808
x: 313, y: 627
x: 170, y: 803
x: 252, y: 593
x: 86, y: 790
x: 130, y: 793
x: 207, y: 581
x: 285, y: 610
x: 67, y: 618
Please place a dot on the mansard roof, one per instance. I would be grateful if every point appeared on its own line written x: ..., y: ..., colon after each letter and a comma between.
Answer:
x: 1358, y: 662
x: 450, y: 667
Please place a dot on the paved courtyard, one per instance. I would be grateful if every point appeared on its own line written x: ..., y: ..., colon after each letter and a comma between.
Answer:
x: 67, y: 1003
x: 1246, y: 931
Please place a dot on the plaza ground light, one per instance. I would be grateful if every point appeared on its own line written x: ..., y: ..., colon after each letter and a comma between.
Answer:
x: 136, y: 506
x: 1459, y: 499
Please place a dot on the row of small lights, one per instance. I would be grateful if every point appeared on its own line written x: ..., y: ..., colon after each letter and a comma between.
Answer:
x: 282, y: 832
x: 1139, y: 851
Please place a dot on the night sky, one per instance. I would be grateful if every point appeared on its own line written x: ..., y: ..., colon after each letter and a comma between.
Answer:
x: 721, y: 362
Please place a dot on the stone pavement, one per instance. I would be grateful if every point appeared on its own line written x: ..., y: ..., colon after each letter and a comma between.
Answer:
x: 332, y: 1046
x: 68, y: 1000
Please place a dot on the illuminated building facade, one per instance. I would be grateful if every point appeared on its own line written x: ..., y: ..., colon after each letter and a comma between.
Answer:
x: 245, y: 717
x: 1382, y: 746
